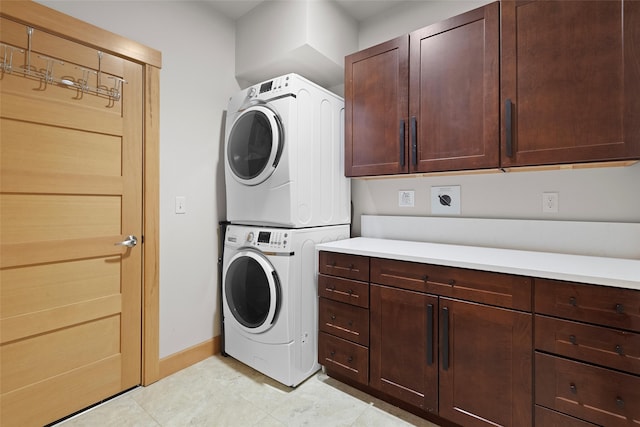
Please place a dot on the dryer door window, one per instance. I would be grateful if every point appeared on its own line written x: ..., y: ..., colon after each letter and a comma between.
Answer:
x: 255, y: 144
x: 252, y: 291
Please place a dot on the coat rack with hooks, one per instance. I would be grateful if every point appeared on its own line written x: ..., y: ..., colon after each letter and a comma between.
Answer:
x: 81, y: 84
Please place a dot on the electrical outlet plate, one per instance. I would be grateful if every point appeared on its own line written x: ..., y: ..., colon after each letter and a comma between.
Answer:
x: 550, y: 201
x: 406, y: 198
x: 445, y: 200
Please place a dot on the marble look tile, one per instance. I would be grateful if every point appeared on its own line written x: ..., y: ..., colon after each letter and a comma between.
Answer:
x: 122, y: 411
x: 222, y: 392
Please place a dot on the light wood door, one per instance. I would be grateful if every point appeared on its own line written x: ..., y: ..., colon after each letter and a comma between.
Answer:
x: 71, y: 188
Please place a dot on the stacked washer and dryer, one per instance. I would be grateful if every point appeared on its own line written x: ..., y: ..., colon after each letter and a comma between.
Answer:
x: 286, y: 192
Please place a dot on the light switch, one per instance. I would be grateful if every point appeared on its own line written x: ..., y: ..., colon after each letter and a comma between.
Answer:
x: 181, y: 205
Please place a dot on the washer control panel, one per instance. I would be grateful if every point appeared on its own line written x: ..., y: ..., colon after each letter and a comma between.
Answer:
x: 268, y: 240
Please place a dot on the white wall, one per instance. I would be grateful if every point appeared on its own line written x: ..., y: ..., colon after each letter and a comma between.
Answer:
x: 196, y: 81
x: 604, y: 194
x: 299, y: 43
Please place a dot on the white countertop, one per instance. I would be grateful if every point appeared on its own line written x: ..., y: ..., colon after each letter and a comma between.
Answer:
x: 618, y: 272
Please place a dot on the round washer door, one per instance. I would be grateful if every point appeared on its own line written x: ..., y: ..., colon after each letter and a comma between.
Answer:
x: 252, y: 291
x: 255, y: 144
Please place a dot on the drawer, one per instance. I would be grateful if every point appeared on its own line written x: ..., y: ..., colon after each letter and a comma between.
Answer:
x: 613, y: 348
x: 503, y: 290
x: 344, y: 357
x: 594, y: 394
x: 344, y: 290
x: 344, y: 321
x: 603, y: 305
x: 548, y: 418
x: 344, y: 265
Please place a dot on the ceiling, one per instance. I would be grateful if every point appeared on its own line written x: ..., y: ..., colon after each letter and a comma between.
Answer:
x: 360, y: 10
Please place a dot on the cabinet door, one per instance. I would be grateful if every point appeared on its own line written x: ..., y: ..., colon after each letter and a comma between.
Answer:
x: 454, y: 93
x: 570, y: 81
x: 485, y: 365
x: 376, y: 90
x: 403, y: 357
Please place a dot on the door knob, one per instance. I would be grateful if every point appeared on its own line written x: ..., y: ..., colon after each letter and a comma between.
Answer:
x: 129, y: 242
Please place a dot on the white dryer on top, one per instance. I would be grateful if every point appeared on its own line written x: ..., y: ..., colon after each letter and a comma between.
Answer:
x: 284, y: 156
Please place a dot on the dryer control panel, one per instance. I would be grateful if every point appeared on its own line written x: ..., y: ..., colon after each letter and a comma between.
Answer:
x: 270, y: 88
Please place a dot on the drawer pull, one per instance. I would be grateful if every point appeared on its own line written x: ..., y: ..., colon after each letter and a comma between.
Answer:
x: 351, y: 266
x: 573, y: 301
x: 333, y: 353
x: 619, y: 350
x: 350, y: 359
x: 350, y: 323
x: 332, y: 263
x: 572, y: 339
x: 573, y: 388
x: 619, y: 402
x: 452, y: 282
x: 333, y: 317
x: 619, y: 308
x: 425, y: 278
x: 350, y: 292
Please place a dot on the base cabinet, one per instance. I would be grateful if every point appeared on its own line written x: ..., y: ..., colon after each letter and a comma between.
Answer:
x: 485, y: 365
x: 403, y: 350
x: 587, y: 358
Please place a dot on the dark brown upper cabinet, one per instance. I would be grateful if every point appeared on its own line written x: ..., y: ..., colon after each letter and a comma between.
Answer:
x: 427, y: 101
x: 570, y: 81
x: 376, y: 96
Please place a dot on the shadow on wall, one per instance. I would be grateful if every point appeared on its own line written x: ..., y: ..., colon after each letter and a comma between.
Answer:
x: 220, y: 184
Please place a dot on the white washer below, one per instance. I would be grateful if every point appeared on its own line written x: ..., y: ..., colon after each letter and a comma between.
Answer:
x: 270, y: 302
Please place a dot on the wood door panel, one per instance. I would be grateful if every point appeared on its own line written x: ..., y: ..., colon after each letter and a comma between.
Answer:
x: 67, y: 348
x: 489, y: 377
x: 570, y: 69
x: 454, y: 92
x: 62, y: 395
x: 399, y: 345
x: 71, y: 189
x: 39, y: 149
x: 65, y: 111
x: 376, y: 101
x: 28, y: 218
x: 29, y: 324
x: 46, y: 286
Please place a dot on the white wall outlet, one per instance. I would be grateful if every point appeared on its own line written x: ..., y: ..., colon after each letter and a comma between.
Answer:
x: 406, y: 198
x: 445, y: 200
x: 550, y: 202
x: 181, y: 205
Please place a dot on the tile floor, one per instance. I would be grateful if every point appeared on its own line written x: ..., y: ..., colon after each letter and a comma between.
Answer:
x: 221, y: 391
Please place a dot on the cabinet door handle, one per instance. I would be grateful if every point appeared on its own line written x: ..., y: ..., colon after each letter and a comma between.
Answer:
x: 508, y: 113
x: 430, y: 334
x: 414, y: 141
x: 445, y: 338
x: 402, y: 143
